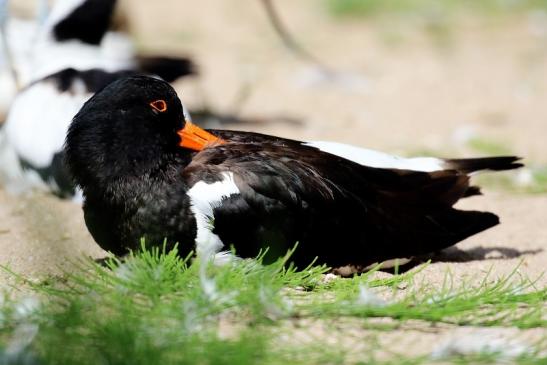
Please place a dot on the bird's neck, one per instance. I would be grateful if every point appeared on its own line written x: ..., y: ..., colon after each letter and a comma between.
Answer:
x: 129, y: 181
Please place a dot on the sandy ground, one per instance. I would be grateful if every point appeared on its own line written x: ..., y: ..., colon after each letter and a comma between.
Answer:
x: 399, y: 88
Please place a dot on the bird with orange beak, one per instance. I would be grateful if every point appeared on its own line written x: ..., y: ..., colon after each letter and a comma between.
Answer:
x: 146, y: 171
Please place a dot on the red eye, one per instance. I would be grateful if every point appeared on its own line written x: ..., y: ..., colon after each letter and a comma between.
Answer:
x: 159, y: 105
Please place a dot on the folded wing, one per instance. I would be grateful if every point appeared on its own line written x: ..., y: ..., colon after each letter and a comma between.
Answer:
x: 338, y: 210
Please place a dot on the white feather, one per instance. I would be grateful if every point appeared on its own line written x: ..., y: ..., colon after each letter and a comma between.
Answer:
x: 7, y: 85
x: 115, y: 52
x: 12, y: 176
x: 203, y: 199
x: 39, y: 116
x: 37, y: 54
x: 38, y: 121
x: 21, y: 38
x: 373, y: 158
x: 19, y: 35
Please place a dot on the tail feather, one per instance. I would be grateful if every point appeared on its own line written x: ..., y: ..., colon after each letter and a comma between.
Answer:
x: 168, y: 68
x: 469, y: 165
x: 472, y: 191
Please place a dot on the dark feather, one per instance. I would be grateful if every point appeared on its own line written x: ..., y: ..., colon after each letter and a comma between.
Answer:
x: 93, y: 79
x: 469, y: 165
x: 472, y: 191
x: 88, y: 22
x: 168, y: 68
x: 338, y: 210
x: 136, y: 181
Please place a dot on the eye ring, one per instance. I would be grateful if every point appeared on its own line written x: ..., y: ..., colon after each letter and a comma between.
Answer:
x: 159, y: 105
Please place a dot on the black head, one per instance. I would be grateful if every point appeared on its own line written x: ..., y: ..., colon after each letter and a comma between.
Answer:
x: 129, y: 128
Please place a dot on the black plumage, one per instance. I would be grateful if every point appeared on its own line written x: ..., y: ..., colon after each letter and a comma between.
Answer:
x: 80, y: 33
x: 127, y: 158
x: 88, y: 22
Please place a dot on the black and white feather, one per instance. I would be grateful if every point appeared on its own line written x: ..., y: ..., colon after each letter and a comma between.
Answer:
x: 62, y: 63
x: 257, y: 192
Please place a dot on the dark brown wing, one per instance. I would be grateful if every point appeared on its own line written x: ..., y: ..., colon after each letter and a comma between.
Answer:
x: 336, y: 209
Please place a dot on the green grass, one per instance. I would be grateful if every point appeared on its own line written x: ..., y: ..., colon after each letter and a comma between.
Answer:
x: 369, y: 8
x: 157, y: 308
x: 491, y: 303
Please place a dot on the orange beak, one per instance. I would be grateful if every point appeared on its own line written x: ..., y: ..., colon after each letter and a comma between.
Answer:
x: 197, y: 139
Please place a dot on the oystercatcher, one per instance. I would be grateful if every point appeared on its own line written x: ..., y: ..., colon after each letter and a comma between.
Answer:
x: 146, y: 171
x: 73, y: 54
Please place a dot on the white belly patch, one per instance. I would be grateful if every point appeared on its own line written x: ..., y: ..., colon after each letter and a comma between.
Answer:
x: 204, y: 198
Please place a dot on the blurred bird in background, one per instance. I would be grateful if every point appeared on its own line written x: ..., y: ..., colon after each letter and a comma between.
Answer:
x: 50, y: 66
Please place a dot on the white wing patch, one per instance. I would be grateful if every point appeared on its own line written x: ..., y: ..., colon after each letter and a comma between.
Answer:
x: 203, y: 199
x: 38, y: 121
x: 116, y: 52
x: 373, y: 158
x: 13, y: 177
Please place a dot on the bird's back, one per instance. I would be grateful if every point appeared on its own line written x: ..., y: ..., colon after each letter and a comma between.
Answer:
x: 338, y: 210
